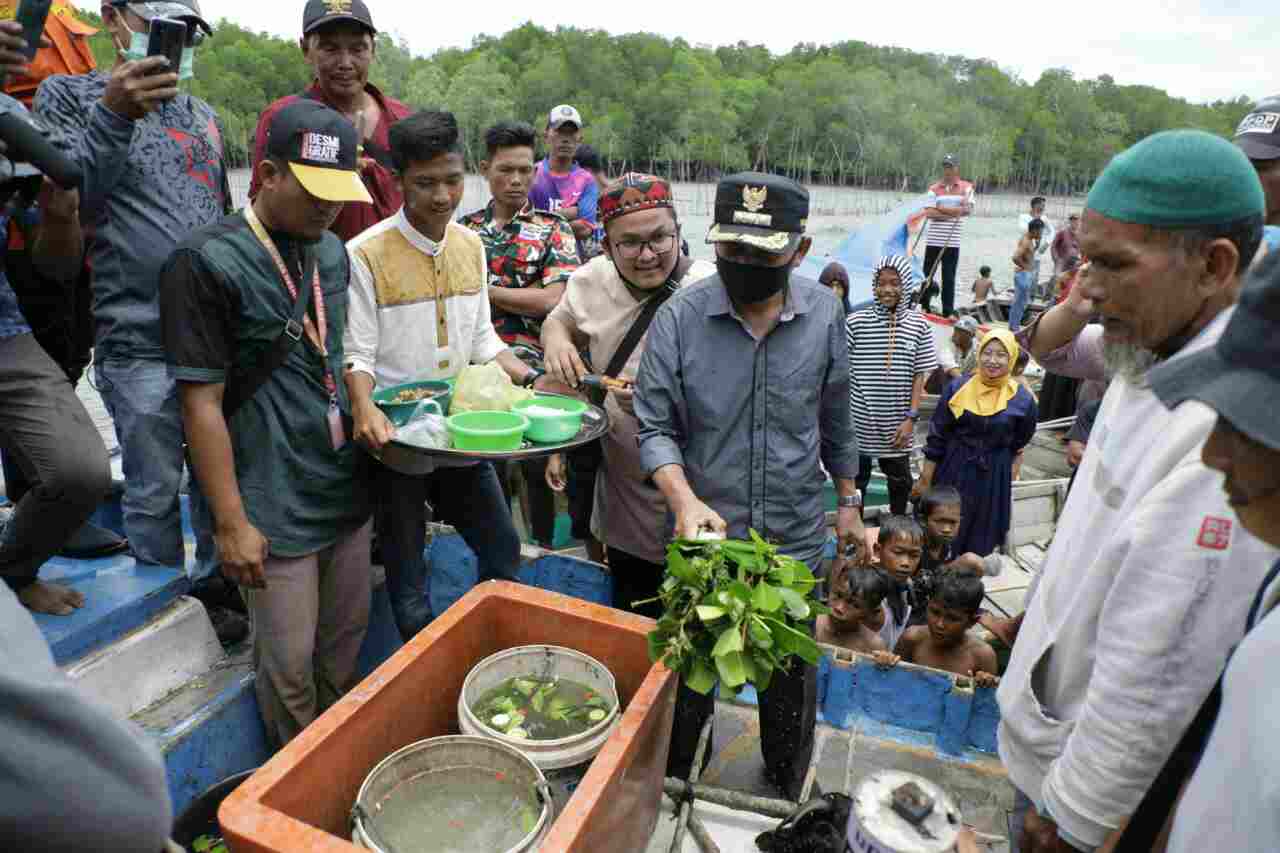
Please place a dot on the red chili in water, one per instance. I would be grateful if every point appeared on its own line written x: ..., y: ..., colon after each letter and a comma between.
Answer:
x: 500, y: 776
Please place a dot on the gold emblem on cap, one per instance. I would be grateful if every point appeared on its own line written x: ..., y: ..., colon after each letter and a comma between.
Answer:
x: 753, y: 199
x: 337, y: 7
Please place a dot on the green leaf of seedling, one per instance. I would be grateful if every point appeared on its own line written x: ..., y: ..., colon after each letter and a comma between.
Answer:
x: 791, y: 641
x: 782, y: 574
x: 732, y: 672
x: 679, y: 568
x: 730, y: 641
x: 202, y: 844
x: 760, y: 635
x: 710, y: 613
x: 701, y: 679
x: 740, y: 593
x: 657, y: 645
x: 796, y: 606
x: 766, y: 598
x: 763, y: 676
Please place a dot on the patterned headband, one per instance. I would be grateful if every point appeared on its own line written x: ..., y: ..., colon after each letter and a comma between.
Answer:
x: 634, y: 191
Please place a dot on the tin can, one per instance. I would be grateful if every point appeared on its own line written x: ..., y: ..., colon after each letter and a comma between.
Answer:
x: 895, y: 812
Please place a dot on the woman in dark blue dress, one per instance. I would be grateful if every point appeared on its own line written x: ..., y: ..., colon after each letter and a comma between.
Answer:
x: 978, y: 431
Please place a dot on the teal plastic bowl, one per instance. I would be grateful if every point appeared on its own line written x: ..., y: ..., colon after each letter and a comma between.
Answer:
x: 487, y: 432
x: 399, y: 413
x: 551, y: 428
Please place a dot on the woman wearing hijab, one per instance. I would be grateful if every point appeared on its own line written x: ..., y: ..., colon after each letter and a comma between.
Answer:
x: 891, y: 354
x: 981, y: 425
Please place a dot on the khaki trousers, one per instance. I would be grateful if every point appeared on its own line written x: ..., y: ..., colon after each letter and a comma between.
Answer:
x: 308, y: 626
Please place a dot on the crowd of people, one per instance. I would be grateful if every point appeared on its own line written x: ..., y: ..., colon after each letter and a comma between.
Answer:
x: 238, y: 353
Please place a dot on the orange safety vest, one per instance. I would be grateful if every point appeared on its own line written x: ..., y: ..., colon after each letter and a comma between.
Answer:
x: 69, y: 52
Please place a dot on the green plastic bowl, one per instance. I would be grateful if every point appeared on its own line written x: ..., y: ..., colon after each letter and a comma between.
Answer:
x: 487, y: 431
x: 552, y: 429
x: 399, y: 413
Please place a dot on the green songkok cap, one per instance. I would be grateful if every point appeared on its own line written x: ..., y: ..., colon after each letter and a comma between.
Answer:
x: 1178, y: 179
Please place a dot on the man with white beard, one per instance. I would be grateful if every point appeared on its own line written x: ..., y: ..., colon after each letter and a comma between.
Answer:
x: 1149, y: 579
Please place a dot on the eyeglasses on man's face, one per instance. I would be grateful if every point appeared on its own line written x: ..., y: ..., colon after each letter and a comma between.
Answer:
x: 659, y: 244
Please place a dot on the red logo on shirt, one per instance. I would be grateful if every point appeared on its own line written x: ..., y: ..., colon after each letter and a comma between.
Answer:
x: 1215, y: 533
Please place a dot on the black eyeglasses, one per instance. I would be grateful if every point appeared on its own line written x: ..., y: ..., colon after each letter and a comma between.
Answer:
x: 659, y: 245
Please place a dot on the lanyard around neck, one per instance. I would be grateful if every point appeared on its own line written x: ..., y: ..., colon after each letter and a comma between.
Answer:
x: 316, y: 330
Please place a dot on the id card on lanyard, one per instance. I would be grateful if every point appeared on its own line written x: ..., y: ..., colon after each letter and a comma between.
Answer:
x: 315, y: 331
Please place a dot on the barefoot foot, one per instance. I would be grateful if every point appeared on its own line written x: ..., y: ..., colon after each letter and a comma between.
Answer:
x: 54, y: 599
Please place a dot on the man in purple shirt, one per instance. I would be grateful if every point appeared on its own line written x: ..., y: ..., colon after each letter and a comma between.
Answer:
x: 559, y: 184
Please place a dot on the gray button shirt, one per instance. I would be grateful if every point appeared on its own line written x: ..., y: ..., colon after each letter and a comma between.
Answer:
x: 749, y: 420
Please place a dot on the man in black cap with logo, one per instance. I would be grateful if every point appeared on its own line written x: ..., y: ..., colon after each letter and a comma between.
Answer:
x: 339, y: 42
x: 1258, y: 136
x: 254, y: 310
x: 742, y: 400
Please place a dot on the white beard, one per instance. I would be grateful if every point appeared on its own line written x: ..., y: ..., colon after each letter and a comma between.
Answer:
x: 1128, y: 361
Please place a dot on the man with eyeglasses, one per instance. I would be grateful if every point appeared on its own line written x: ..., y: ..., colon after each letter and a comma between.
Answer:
x: 743, y: 399
x: 607, y: 308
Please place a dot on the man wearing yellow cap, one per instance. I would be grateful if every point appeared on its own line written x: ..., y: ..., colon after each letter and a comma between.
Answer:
x: 254, y: 308
x: 1150, y: 576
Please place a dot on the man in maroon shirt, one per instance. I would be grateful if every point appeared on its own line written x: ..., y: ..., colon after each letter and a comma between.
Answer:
x: 338, y: 43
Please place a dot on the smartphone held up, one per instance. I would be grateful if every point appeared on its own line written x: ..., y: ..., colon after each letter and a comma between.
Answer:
x: 168, y: 38
x: 31, y: 14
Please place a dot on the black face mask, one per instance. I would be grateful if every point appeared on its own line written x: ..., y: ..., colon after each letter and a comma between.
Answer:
x: 748, y: 284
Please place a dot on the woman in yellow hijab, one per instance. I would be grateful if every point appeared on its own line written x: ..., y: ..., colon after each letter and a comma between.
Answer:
x: 978, y: 431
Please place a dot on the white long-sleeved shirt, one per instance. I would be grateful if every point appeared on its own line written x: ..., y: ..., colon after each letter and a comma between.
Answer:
x: 1143, y: 594
x: 393, y: 329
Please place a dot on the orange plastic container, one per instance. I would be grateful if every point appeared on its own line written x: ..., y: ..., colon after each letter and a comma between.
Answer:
x: 301, y: 798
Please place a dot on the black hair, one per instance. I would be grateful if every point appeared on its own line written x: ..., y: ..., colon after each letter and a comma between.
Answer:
x: 1024, y: 358
x: 1035, y: 225
x: 937, y: 496
x: 509, y: 134
x: 960, y: 592
x: 869, y: 587
x: 984, y: 271
x: 893, y: 526
x: 422, y: 137
x: 1037, y: 200
x: 1245, y: 234
x: 588, y: 158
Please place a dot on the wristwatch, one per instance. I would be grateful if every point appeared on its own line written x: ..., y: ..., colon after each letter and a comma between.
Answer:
x: 913, y: 415
x: 534, y: 374
x: 853, y: 501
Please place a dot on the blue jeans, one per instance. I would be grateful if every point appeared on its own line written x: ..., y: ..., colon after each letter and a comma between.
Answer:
x: 470, y: 499
x: 1022, y: 283
x: 142, y: 399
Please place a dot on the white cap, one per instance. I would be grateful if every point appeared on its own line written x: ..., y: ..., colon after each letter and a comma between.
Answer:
x: 564, y: 114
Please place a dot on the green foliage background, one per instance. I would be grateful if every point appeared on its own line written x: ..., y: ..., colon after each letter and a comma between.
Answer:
x: 850, y: 113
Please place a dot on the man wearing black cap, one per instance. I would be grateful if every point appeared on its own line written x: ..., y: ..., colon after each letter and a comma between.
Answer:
x: 254, y: 311
x: 154, y: 171
x: 742, y: 399
x: 1232, y: 802
x: 1258, y: 136
x: 339, y: 43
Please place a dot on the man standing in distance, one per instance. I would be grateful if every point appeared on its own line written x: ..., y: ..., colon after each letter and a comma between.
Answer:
x: 254, y: 309
x: 1046, y: 237
x: 531, y: 254
x: 743, y: 398
x: 1066, y: 247
x: 1149, y: 578
x: 339, y: 43
x: 560, y: 185
x: 950, y: 201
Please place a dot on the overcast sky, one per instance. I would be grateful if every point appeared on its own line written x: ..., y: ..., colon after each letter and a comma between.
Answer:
x: 1196, y: 49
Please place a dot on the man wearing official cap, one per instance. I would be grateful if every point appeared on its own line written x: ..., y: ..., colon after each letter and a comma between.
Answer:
x: 742, y: 400
x: 339, y: 42
x: 154, y: 171
x: 1259, y: 138
x: 1149, y: 578
x: 1225, y: 806
x: 254, y: 310
x: 559, y: 183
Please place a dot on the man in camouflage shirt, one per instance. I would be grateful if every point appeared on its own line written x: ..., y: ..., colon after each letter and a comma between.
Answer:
x: 531, y: 252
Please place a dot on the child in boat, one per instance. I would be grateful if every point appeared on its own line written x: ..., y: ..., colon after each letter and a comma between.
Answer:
x: 898, y: 549
x: 982, y: 285
x: 939, y: 513
x: 945, y: 642
x: 857, y: 615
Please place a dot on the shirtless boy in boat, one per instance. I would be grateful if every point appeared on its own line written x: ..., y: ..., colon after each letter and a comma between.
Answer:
x: 857, y: 612
x: 944, y: 643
